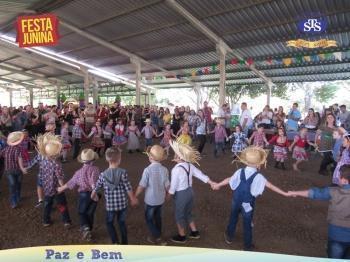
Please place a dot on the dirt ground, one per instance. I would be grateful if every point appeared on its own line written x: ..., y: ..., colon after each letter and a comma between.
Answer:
x: 281, y: 225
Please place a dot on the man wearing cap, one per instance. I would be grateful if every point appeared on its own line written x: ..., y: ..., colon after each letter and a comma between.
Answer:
x: 14, y: 165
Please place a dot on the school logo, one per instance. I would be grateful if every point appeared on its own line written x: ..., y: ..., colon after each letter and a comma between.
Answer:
x: 312, y: 25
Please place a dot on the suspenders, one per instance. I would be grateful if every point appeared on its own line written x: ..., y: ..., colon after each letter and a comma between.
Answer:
x: 188, y: 173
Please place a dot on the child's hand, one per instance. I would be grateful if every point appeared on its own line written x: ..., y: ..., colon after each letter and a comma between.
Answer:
x: 134, y: 201
x: 290, y: 149
x: 94, y: 196
x: 25, y: 171
x: 291, y: 194
x: 60, y: 189
x: 215, y: 186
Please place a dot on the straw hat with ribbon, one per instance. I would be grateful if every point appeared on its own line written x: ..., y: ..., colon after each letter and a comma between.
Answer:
x: 156, y: 152
x: 253, y: 156
x: 15, y: 138
x: 185, y: 152
x: 49, y: 145
x: 87, y: 155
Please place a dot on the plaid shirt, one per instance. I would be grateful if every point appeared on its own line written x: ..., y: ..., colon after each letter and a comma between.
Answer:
x: 11, y: 155
x: 77, y: 132
x: 85, y: 178
x: 258, y: 139
x: 49, y: 173
x: 116, y: 198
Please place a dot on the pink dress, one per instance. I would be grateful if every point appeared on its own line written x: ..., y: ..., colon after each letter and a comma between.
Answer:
x: 97, y: 141
x: 166, y: 139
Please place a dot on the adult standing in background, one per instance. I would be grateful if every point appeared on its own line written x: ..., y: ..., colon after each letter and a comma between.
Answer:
x: 90, y: 115
x: 325, y: 141
x: 344, y: 117
x: 245, y: 120
x: 294, y: 116
x: 208, y: 111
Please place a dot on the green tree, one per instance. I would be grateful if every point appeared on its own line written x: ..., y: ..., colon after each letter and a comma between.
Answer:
x: 325, y: 92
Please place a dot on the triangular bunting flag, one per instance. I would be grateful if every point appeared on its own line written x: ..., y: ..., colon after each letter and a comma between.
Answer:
x: 299, y: 59
x: 322, y: 56
x: 338, y: 56
x: 307, y: 58
x: 287, y: 61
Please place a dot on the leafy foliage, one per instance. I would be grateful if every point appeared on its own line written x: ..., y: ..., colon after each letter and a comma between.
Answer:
x: 325, y: 92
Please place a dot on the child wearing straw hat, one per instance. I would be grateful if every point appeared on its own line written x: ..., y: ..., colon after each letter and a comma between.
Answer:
x: 85, y: 180
x: 181, y: 189
x: 247, y: 184
x: 117, y: 188
x: 149, y: 131
x: 155, y: 183
x: 51, y: 176
x: 14, y: 168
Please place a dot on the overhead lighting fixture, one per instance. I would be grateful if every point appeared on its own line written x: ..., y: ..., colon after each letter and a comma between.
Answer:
x: 75, y: 63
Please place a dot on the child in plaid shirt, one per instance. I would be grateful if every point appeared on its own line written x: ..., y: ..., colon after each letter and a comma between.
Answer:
x: 259, y: 137
x: 14, y: 169
x: 85, y: 180
x: 51, y: 176
x: 77, y: 133
x: 115, y: 183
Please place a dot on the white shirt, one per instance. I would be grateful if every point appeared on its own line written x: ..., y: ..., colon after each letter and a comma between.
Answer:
x: 246, y: 115
x: 266, y: 117
x: 179, y: 178
x: 258, y: 185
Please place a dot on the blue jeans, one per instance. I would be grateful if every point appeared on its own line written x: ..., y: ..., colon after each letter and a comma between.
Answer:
x: 15, y: 182
x: 121, y: 216
x: 86, y: 209
x: 338, y: 250
x: 61, y: 204
x: 153, y: 216
x: 219, y: 146
x: 247, y: 224
x: 149, y: 141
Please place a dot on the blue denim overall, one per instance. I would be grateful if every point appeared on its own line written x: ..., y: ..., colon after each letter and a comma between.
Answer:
x: 242, y: 195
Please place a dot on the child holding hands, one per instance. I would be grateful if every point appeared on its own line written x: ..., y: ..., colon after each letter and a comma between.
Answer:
x: 247, y: 184
x: 117, y: 188
x: 155, y: 183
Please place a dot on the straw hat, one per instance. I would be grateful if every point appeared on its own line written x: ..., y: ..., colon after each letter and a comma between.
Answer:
x: 253, y: 156
x: 185, y: 152
x: 49, y: 145
x: 15, y: 138
x: 87, y: 155
x: 157, y: 153
x: 148, y: 120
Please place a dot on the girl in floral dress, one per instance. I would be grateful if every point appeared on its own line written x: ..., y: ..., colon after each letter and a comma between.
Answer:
x: 280, y: 148
x: 96, y: 132
x: 167, y: 133
x: 119, y: 139
x: 344, y: 159
x: 239, y: 141
x: 299, y: 153
x: 65, y: 138
x: 133, y: 134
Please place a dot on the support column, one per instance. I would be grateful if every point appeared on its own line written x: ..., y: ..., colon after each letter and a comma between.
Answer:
x: 11, y: 97
x: 269, y: 90
x: 58, y: 96
x: 137, y: 65
x: 86, y: 87
x: 222, y: 67
x: 31, y: 97
x: 148, y: 97
x: 197, y: 91
x: 95, y: 93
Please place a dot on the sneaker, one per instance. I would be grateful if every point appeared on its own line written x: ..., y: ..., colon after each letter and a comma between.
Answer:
x: 64, y: 161
x: 67, y: 225
x: 47, y: 224
x: 39, y: 204
x: 228, y: 240
x: 151, y: 240
x: 194, y: 235
x: 161, y: 242
x: 251, y: 248
x: 179, y: 239
x: 87, y: 235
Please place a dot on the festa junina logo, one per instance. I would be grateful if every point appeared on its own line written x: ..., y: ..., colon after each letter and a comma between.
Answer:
x: 312, y: 25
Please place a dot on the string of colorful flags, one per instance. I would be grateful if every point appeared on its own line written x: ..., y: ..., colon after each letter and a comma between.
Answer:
x: 298, y: 59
